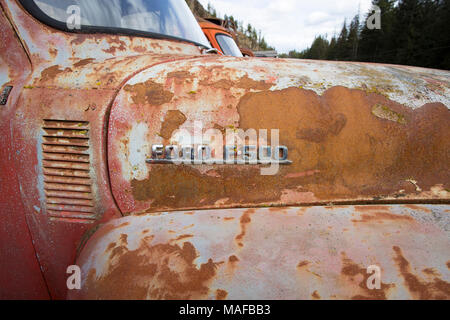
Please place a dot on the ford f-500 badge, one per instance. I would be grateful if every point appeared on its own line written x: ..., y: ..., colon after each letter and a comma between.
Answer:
x: 245, y: 155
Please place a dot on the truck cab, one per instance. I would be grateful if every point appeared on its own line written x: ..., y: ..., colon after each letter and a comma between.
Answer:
x: 163, y: 171
x: 220, y: 38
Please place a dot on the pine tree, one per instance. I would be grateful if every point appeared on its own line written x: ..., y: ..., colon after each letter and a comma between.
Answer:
x: 375, y: 45
x: 341, y: 44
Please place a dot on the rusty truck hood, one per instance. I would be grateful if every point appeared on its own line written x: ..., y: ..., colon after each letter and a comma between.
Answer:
x: 271, y: 253
x: 356, y: 133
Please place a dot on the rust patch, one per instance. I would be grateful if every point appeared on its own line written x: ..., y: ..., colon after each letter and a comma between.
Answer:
x: 112, y: 49
x: 417, y: 208
x: 51, y: 72
x: 431, y: 272
x: 371, y: 208
x: 228, y: 218
x: 140, y: 49
x: 420, y: 289
x: 84, y: 62
x: 356, y: 153
x: 302, y: 264
x: 179, y: 74
x: 276, y: 209
x: 172, y: 121
x: 149, y: 92
x: 162, y: 271
x: 233, y: 259
x: 382, y: 216
x: 315, y: 295
x: 184, y: 236
x: 245, y: 220
x: 352, y: 271
x: 221, y: 294
x: 243, y: 83
x: 182, y: 186
x: 111, y: 246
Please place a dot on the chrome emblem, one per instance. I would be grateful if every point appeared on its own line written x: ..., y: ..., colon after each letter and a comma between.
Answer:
x: 202, y: 154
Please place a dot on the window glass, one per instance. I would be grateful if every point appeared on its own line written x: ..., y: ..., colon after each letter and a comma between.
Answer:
x: 228, y: 45
x: 166, y: 17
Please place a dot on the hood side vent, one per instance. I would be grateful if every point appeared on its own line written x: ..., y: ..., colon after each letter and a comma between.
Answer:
x: 66, y: 167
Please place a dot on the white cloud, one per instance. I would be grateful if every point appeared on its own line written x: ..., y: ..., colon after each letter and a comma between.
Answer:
x: 292, y: 24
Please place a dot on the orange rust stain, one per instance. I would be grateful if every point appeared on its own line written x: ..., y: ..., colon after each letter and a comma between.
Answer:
x: 156, y: 45
x: 180, y: 74
x: 243, y: 83
x: 382, y: 216
x: 315, y: 295
x: 351, y: 271
x: 149, y: 92
x: 357, y: 153
x: 184, y: 236
x: 371, y: 208
x: 140, y: 49
x: 172, y: 121
x: 431, y: 272
x: 448, y: 264
x: 84, y: 62
x: 417, y: 208
x: 51, y: 72
x: 276, y: 209
x: 123, y: 239
x: 228, y: 218
x: 221, y: 294
x: 113, y: 49
x: 182, y: 186
x: 161, y: 271
x: 302, y: 264
x: 145, y: 231
x: 232, y: 264
x: 190, y: 213
x: 111, y: 246
x: 245, y: 220
x: 332, y: 207
x: 53, y: 52
x: 437, y: 289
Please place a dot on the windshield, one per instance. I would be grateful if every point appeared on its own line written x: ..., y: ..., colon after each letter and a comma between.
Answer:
x: 165, y: 17
x: 228, y: 45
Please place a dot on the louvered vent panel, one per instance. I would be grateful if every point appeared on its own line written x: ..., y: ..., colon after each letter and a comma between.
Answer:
x: 65, y: 147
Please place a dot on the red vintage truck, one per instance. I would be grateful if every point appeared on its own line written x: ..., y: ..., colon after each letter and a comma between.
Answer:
x: 113, y: 119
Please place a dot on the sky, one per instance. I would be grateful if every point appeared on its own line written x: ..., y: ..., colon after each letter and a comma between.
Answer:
x: 291, y: 24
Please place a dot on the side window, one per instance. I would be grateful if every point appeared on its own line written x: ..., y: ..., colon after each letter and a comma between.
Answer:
x: 228, y: 45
